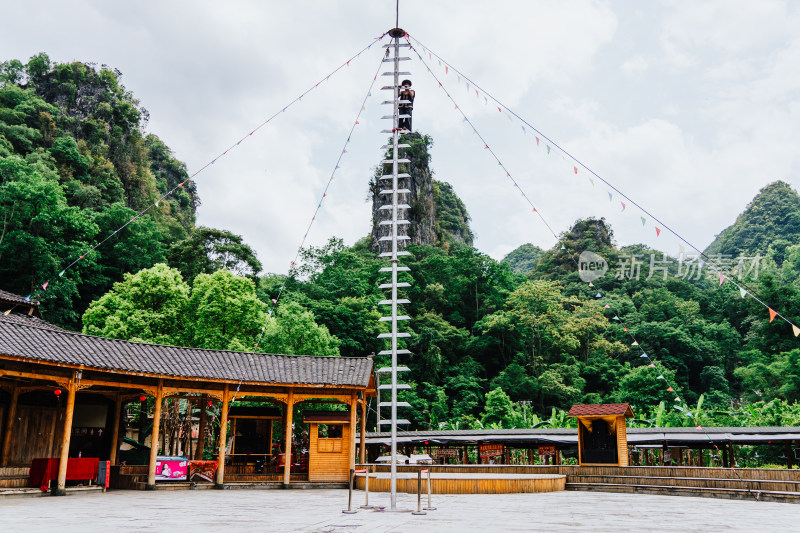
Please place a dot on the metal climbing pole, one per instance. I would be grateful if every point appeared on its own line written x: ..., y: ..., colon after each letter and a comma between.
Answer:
x: 395, y: 239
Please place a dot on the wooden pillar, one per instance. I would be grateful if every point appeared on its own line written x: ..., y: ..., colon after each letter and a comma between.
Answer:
x: 287, y: 429
x: 151, y: 466
x: 558, y: 457
x: 269, y: 447
x: 353, y: 411
x: 731, y: 456
x: 61, y: 484
x: 10, y: 416
x: 789, y: 451
x: 201, y: 430
x: 112, y: 455
x: 725, y: 462
x: 362, y: 454
x: 466, y: 455
x: 223, y: 439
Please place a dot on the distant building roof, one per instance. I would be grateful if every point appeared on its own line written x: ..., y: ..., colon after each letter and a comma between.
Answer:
x: 602, y: 409
x: 29, y: 320
x: 15, y: 302
x: 47, y: 343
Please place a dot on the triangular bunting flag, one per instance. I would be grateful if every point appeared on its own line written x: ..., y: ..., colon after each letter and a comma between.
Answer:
x: 537, y: 141
x: 795, y: 330
x: 598, y: 295
x: 623, y: 205
x: 651, y: 365
x: 644, y: 221
x: 634, y: 343
x: 624, y: 328
x: 61, y: 274
x: 662, y: 377
x: 548, y: 148
x: 44, y: 287
x: 616, y: 318
x: 643, y: 356
x: 742, y: 292
x: 658, y: 231
x: 591, y: 180
x: 591, y: 284
x: 610, y: 197
x: 721, y: 279
x: 607, y: 306
x: 772, y: 314
x: 670, y: 389
x: 575, y: 169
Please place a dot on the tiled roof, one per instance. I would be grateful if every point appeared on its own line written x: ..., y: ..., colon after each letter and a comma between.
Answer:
x: 16, y: 299
x: 29, y: 320
x: 65, y: 347
x: 603, y: 409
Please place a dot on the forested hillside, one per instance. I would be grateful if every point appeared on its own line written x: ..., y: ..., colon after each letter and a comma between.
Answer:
x: 494, y: 343
x: 75, y: 165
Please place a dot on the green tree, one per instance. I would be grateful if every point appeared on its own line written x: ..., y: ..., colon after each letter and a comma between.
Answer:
x: 149, y: 306
x: 292, y: 330
x: 499, y: 410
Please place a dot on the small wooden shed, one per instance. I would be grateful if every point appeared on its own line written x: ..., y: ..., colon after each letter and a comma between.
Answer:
x: 602, y: 433
x: 331, y: 447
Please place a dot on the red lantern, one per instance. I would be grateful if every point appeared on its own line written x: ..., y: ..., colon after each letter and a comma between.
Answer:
x: 210, y: 403
x: 57, y: 392
x: 142, y: 398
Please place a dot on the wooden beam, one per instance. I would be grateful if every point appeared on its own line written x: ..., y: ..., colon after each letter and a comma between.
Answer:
x: 287, y: 451
x: 112, y: 456
x: 362, y: 453
x: 61, y: 483
x: 151, y: 466
x: 223, y: 437
x: 12, y: 413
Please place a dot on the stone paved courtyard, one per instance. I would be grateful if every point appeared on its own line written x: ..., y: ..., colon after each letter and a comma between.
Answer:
x: 320, y: 511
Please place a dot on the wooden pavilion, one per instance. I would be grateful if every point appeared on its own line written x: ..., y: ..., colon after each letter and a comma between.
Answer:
x: 602, y: 435
x: 62, y: 393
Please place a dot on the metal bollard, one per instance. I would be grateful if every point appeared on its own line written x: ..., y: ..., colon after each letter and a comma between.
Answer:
x: 429, y: 507
x: 366, y: 491
x: 419, y: 510
x: 349, y: 509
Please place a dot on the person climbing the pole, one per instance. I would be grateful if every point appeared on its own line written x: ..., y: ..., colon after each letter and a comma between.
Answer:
x: 407, y: 107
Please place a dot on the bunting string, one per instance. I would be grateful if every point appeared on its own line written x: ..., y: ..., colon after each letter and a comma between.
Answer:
x: 293, y: 263
x: 576, y: 164
x: 484, y: 141
x: 44, y: 286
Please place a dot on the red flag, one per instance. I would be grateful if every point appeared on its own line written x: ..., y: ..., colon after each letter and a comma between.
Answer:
x: 534, y: 210
x: 626, y: 329
x: 623, y: 205
x: 670, y: 389
x: 487, y: 146
x: 658, y: 231
x: 44, y: 287
x: 721, y: 278
x: 500, y: 110
x: 537, y: 141
x: 357, y: 122
x: 446, y: 70
x: 576, y: 169
x: 772, y: 314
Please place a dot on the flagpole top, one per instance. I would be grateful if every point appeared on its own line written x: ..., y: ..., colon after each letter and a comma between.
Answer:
x: 397, y: 33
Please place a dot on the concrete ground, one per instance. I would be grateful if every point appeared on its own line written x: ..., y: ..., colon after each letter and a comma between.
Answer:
x: 320, y: 511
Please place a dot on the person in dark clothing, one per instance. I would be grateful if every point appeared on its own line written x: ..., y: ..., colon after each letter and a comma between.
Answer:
x: 407, y: 94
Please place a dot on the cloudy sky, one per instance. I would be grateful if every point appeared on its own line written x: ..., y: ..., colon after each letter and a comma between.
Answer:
x: 687, y: 107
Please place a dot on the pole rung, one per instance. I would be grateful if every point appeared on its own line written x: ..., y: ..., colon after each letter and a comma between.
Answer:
x: 389, y: 176
x: 399, y: 404
x: 386, y: 369
x: 400, y: 285
x: 399, y: 238
x: 389, y: 319
x: 399, y: 74
x: 399, y: 191
x: 401, y: 334
x: 400, y: 386
x: 390, y: 254
x: 399, y: 421
x: 399, y: 269
x: 392, y: 45
x: 390, y: 161
x: 389, y: 223
x: 389, y: 302
x: 399, y: 352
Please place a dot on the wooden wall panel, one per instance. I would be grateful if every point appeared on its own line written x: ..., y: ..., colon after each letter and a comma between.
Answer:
x: 32, y: 434
x: 329, y: 465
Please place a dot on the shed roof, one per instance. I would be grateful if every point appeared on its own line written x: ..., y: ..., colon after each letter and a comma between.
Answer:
x: 42, y: 344
x: 326, y: 417
x: 602, y: 409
